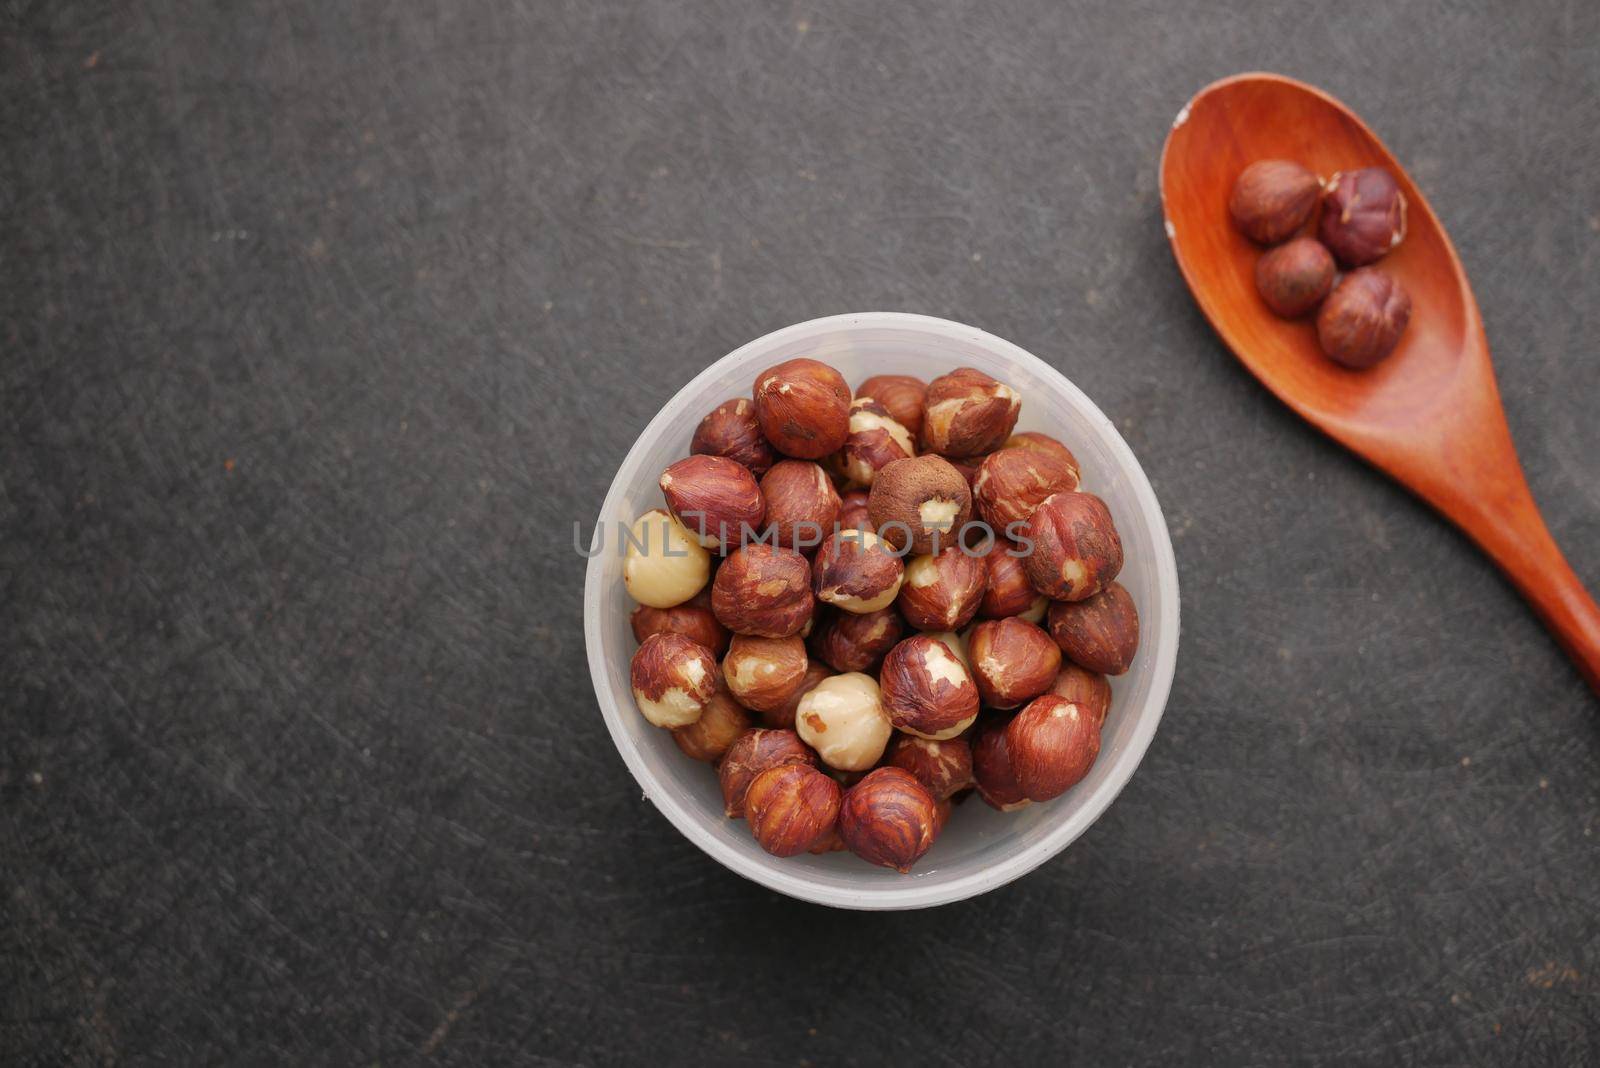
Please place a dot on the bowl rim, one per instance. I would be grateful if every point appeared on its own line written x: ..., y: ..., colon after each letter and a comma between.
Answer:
x: 912, y: 895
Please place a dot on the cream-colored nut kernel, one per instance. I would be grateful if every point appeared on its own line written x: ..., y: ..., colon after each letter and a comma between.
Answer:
x: 842, y: 718
x: 939, y: 514
x: 664, y: 565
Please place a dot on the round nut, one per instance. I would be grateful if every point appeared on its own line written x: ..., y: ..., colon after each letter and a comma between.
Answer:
x: 802, y: 505
x: 1294, y: 278
x: 720, y: 724
x: 763, y: 590
x: 876, y: 441
x: 1363, y: 215
x: 957, y: 644
x: 851, y: 641
x: 1052, y: 744
x: 942, y: 592
x: 664, y: 564
x: 889, y: 819
x: 782, y: 718
x: 854, y: 570
x: 901, y: 396
x: 917, y: 502
x: 853, y: 511
x: 1011, y: 483
x: 843, y: 719
x: 693, y: 619
x: 1084, y: 687
x: 1362, y: 320
x: 790, y: 807
x: 967, y: 413
x: 991, y: 769
x: 830, y: 842
x: 673, y: 679
x: 714, y: 498
x: 926, y: 689
x: 731, y: 430
x: 944, y: 768
x: 1032, y: 439
x: 803, y: 407
x: 1012, y: 661
x: 1076, y: 548
x: 752, y: 753
x: 1272, y: 199
x: 764, y: 673
x: 1009, y: 593
x: 1100, y: 632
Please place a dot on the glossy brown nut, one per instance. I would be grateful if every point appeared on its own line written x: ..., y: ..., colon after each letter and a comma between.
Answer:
x: 991, y: 769
x: 720, y: 724
x: 1100, y: 632
x: 926, y: 690
x: 1076, y: 548
x: 853, y: 511
x: 716, y: 499
x: 856, y: 571
x: 791, y: 807
x: 830, y: 842
x: 967, y: 413
x: 730, y: 429
x: 852, y: 641
x: 1011, y: 483
x: 673, y: 679
x: 901, y: 396
x: 1012, y: 661
x: 1362, y: 321
x: 802, y: 505
x: 752, y: 753
x: 876, y: 440
x: 942, y: 592
x: 763, y: 590
x: 888, y: 819
x: 764, y: 673
x: 943, y: 768
x: 916, y: 502
x: 1008, y: 592
x: 1052, y: 744
x: 1294, y: 278
x: 693, y: 619
x: 1083, y: 687
x: 803, y: 407
x: 1032, y: 439
x: 782, y: 718
x: 1272, y: 198
x: 1363, y: 216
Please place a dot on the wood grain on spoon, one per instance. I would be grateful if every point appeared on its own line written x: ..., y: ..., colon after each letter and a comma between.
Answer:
x: 1430, y: 415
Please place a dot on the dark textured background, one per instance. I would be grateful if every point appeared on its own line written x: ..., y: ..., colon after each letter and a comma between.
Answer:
x: 321, y: 323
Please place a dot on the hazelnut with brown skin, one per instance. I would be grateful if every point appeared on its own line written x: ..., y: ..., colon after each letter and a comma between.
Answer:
x: 1011, y: 483
x: 693, y: 619
x: 763, y: 590
x: 1084, y: 687
x: 856, y: 571
x: 844, y: 721
x: 1032, y: 439
x: 992, y: 771
x: 673, y: 679
x: 720, y: 724
x: 1076, y: 548
x: 943, y: 768
x: 918, y: 501
x: 803, y: 407
x: 853, y: 511
x: 876, y: 440
x: 901, y: 396
x: 1012, y: 661
x: 802, y: 505
x: 1272, y: 198
x: 752, y: 753
x: 764, y: 673
x: 1363, y: 216
x: 943, y: 591
x: 1362, y: 321
x: 889, y: 819
x: 1052, y: 744
x: 730, y: 429
x: 783, y: 718
x: 1009, y: 593
x: 967, y: 413
x: 790, y: 807
x: 854, y: 641
x: 1295, y: 277
x: 927, y: 690
x: 715, y: 498
x: 1100, y: 632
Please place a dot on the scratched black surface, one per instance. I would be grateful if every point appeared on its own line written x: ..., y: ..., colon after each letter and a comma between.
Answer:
x: 322, y: 322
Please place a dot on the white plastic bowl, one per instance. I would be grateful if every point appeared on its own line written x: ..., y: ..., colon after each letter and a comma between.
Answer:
x: 981, y: 848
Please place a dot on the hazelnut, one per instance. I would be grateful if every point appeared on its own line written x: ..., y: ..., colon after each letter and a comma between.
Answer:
x: 888, y: 818
x: 830, y: 842
x: 853, y: 511
x: 1293, y: 278
x: 901, y: 396
x: 664, y: 564
x: 943, y: 768
x: 803, y: 407
x: 918, y: 501
x: 853, y: 641
x: 764, y: 673
x: 991, y: 769
x: 1052, y: 744
x: 1100, y: 632
x: 1361, y: 321
x: 956, y: 643
x: 927, y: 690
x: 714, y: 498
x: 1032, y: 439
x: 876, y: 440
x: 855, y: 570
x: 763, y: 590
x: 843, y: 719
x: 802, y: 505
x: 1084, y: 687
x: 943, y: 591
x: 941, y: 816
x: 752, y: 753
x: 1011, y: 483
x: 783, y: 717
x: 731, y: 430
x: 693, y: 619
x: 967, y: 413
x: 1363, y: 216
x: 1012, y: 661
x: 790, y: 807
x: 1272, y: 198
x: 1009, y: 593
x: 720, y: 724
x: 1076, y: 548
x: 673, y: 679
x: 968, y: 467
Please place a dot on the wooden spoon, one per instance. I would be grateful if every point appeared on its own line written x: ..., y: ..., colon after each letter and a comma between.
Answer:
x: 1430, y: 415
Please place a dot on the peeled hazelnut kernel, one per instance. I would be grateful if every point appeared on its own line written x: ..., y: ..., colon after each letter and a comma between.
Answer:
x: 803, y: 407
x: 1363, y: 215
x: 843, y: 719
x: 967, y: 413
x: 1084, y: 687
x: 851, y: 641
x: 926, y: 688
x: 1272, y: 198
x: 731, y: 430
x: 854, y: 570
x: 943, y: 592
x: 752, y: 753
x: 714, y: 498
x: 693, y: 619
x: 1032, y: 439
x: 1294, y: 278
x: 853, y: 511
x: 1011, y: 483
x: 782, y: 718
x: 790, y: 807
x: 889, y: 819
x: 1052, y: 744
x: 763, y: 590
x: 901, y: 396
x: 720, y: 724
x: 1012, y: 661
x: 991, y: 769
x: 942, y: 767
x: 1076, y: 548
x: 1362, y: 320
x: 876, y: 440
x: 764, y: 673
x: 664, y: 565
x: 673, y: 679
x: 917, y: 501
x: 1100, y: 632
x: 802, y: 504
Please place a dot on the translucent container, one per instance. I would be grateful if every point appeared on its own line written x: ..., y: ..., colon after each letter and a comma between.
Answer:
x: 980, y: 848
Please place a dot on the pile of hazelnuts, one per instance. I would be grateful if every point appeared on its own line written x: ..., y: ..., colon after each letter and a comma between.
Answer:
x: 864, y: 609
x: 1363, y: 313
